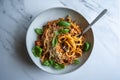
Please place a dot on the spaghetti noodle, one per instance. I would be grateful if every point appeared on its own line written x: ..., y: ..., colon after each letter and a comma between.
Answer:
x: 60, y: 42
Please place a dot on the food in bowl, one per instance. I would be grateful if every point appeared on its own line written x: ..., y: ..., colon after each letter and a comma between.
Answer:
x: 58, y: 44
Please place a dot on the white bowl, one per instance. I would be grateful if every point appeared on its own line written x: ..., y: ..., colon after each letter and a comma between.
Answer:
x: 52, y: 14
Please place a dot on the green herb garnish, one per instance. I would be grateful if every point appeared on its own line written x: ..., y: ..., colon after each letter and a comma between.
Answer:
x: 54, y: 41
x: 38, y: 31
x: 36, y: 50
x: 86, y: 46
x: 56, y: 33
x: 64, y: 23
x: 58, y: 66
x: 51, y: 62
x: 76, y: 61
x: 46, y: 63
x: 64, y: 31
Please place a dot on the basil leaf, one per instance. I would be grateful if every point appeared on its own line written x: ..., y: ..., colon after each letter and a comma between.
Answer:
x: 64, y: 23
x: 38, y: 31
x: 46, y: 63
x: 58, y: 66
x: 86, y: 46
x: 56, y: 33
x: 37, y: 51
x: 64, y: 31
x: 51, y: 62
x: 54, y: 41
x: 76, y: 61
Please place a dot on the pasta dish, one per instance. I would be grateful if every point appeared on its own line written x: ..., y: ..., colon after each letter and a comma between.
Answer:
x: 58, y: 44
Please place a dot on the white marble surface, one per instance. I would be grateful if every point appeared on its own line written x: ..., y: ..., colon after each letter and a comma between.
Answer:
x: 15, y: 18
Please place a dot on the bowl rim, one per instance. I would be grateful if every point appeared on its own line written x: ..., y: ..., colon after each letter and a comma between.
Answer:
x: 51, y: 9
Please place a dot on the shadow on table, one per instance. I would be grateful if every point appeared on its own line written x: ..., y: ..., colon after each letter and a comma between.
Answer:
x: 21, y: 50
x: 20, y: 43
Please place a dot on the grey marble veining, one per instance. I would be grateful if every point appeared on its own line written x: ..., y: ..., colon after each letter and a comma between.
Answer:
x: 15, y: 18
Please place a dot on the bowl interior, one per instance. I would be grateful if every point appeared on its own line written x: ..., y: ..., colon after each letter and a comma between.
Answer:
x: 52, y: 14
